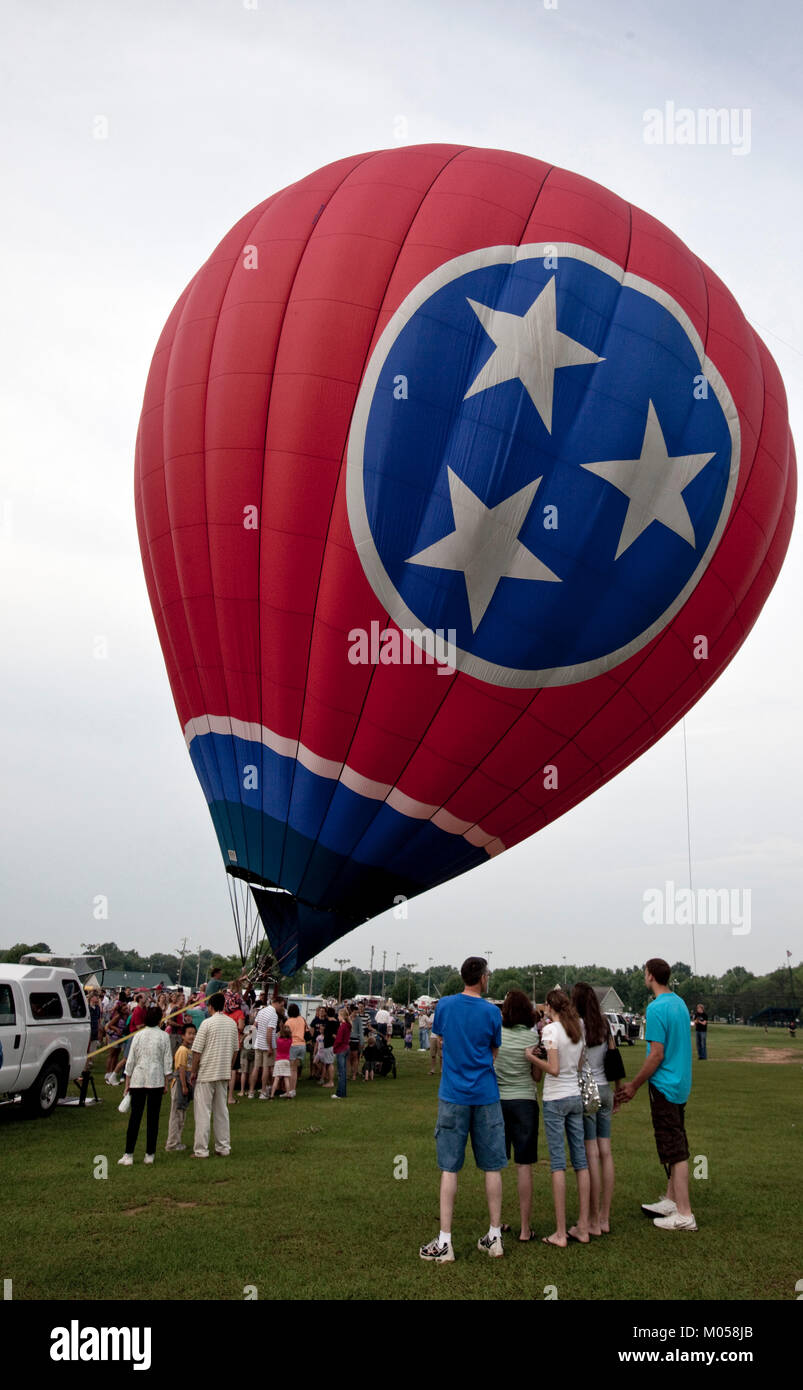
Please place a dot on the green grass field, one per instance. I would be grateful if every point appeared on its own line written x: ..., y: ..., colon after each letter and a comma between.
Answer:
x: 307, y: 1205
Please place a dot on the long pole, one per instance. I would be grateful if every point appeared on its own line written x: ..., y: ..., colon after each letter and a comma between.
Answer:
x: 429, y: 976
x: 410, y: 968
x: 312, y: 976
x: 371, y: 975
x: 384, y: 953
x: 341, y: 961
x: 396, y: 971
x: 198, y: 970
x: 183, y: 949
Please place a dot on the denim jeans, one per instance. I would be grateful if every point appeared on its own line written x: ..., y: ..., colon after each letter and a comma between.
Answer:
x: 564, y: 1119
x: 702, y: 1038
x: 423, y: 1040
x: 342, y: 1061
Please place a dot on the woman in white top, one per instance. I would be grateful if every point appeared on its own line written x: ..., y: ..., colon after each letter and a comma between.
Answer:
x: 563, y: 1112
x: 597, y: 1034
x: 147, y: 1069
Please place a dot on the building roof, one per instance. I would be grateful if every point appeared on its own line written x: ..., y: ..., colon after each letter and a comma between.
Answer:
x: 608, y: 999
x: 134, y: 979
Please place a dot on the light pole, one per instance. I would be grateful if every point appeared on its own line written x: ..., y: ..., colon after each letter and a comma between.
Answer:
x: 371, y: 975
x: 341, y: 961
x: 384, y: 953
x: 563, y: 958
x: 410, y: 968
x: 396, y: 971
x: 198, y: 970
x: 429, y: 974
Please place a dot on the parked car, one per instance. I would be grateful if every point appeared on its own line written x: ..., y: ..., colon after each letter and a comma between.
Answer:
x: 618, y: 1028
x: 44, y: 1034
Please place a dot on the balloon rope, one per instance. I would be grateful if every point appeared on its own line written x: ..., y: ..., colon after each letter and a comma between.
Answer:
x: 688, y: 849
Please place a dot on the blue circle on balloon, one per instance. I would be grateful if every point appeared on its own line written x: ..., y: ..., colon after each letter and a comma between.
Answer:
x: 423, y: 431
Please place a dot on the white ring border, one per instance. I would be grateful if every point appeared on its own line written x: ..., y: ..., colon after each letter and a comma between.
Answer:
x: 370, y: 559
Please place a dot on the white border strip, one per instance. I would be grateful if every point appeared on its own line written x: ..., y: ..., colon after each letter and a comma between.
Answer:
x: 341, y: 772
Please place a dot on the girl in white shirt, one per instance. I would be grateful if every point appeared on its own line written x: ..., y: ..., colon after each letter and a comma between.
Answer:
x: 563, y: 1113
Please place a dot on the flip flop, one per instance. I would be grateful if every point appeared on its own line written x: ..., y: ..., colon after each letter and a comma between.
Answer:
x: 546, y: 1241
x: 526, y: 1240
x: 503, y: 1229
x: 577, y: 1239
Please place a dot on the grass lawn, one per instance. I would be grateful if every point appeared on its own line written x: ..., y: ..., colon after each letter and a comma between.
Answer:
x: 307, y: 1204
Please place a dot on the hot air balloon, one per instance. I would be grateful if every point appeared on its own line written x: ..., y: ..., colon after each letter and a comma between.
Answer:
x: 458, y: 481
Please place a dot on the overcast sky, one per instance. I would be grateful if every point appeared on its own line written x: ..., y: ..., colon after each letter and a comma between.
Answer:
x: 212, y: 105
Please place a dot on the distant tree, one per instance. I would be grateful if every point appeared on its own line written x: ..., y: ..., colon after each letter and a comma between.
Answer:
x: 681, y: 971
x: 348, y: 987
x: 500, y: 988
x: 12, y: 955
x: 453, y: 984
x: 328, y: 985
x: 405, y: 984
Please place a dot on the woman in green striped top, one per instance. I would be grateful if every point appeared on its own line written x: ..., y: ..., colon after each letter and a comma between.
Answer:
x: 517, y: 1092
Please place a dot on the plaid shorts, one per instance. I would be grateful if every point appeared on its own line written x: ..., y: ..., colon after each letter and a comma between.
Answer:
x: 668, y: 1122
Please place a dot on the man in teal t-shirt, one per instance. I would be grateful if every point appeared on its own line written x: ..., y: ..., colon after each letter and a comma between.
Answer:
x: 667, y: 1068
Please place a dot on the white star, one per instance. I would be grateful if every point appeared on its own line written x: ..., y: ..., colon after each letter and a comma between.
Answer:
x: 485, y: 545
x: 653, y: 485
x: 530, y: 347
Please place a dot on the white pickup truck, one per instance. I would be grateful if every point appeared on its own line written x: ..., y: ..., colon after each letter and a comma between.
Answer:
x: 44, y: 1034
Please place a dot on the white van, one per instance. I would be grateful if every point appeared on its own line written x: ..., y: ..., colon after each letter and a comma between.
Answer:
x: 44, y: 1034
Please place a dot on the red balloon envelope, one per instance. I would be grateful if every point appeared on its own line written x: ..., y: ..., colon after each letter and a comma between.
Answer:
x: 458, y: 481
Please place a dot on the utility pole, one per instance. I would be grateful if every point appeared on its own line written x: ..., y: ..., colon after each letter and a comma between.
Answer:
x: 341, y: 961
x: 371, y: 975
x: 384, y: 953
x: 183, y: 950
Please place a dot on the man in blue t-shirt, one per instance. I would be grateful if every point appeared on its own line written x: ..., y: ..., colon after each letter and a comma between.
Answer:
x: 468, y: 1104
x: 667, y: 1068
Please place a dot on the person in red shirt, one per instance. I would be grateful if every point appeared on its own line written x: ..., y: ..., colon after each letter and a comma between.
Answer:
x: 341, y: 1051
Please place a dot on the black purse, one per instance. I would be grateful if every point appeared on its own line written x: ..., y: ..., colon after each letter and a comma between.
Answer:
x: 613, y: 1065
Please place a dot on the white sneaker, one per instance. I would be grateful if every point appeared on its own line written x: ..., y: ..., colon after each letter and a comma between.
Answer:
x: 116, y: 1080
x: 676, y: 1222
x: 441, y: 1254
x: 491, y: 1245
x: 664, y: 1207
x: 127, y: 1161
x: 149, y: 1158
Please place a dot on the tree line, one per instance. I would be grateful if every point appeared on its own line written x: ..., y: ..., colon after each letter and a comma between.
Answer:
x: 736, y: 994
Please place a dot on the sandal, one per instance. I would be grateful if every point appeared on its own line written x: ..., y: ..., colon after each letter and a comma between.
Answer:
x: 524, y: 1240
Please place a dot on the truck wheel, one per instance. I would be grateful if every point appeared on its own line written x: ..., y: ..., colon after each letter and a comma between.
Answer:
x: 41, y: 1099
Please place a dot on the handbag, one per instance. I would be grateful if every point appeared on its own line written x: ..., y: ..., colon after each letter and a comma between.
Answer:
x: 125, y: 1103
x: 589, y: 1090
x: 613, y: 1065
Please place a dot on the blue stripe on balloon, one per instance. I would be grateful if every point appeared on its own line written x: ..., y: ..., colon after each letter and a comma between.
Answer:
x: 333, y: 835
